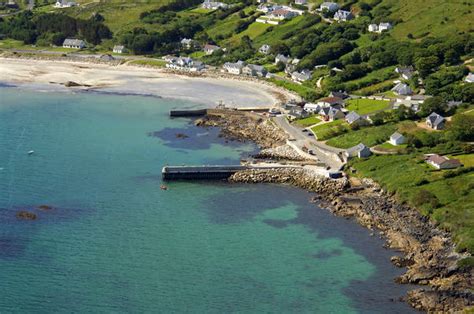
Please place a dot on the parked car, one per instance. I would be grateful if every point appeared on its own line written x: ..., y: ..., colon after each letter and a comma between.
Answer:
x: 304, y: 130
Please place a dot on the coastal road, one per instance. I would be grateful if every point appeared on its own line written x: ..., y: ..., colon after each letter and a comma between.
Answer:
x: 324, y: 153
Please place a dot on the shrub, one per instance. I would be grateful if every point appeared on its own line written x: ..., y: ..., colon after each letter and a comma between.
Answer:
x: 424, y: 197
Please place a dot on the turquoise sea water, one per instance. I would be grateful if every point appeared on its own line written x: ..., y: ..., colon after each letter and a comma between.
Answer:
x: 115, y: 242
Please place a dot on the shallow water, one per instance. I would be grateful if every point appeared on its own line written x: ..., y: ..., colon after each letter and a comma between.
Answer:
x: 115, y: 242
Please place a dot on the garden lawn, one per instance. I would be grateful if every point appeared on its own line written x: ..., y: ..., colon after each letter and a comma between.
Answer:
x: 370, y: 136
x: 365, y: 106
x: 330, y: 129
x: 308, y: 121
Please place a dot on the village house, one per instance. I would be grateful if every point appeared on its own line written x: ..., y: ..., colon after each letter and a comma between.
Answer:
x: 61, y: 4
x: 254, y: 70
x: 210, y: 49
x: 188, y: 43
x: 312, y: 107
x: 402, y: 89
x: 342, y: 15
x: 267, y: 8
x: 297, y: 113
x: 355, y: 119
x: 281, y: 14
x: 334, y: 102
x: 302, y: 76
x: 74, y: 43
x: 262, y: 1
x: 435, y: 121
x: 234, y: 68
x: 301, y: 2
x: 469, y: 78
x: 214, y: 5
x: 119, y: 49
x: 405, y: 72
x: 328, y: 6
x: 397, y: 139
x: 265, y: 49
x: 442, y: 162
x: 340, y: 94
x: 331, y: 114
x: 374, y: 28
x: 185, y: 64
x: 282, y: 58
x: 360, y: 150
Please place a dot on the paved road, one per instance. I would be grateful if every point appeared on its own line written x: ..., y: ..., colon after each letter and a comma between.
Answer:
x: 324, y: 153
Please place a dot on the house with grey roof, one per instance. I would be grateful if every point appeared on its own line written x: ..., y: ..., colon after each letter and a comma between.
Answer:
x: 360, y: 150
x: 442, y: 162
x: 185, y: 64
x: 234, y: 67
x: 254, y: 70
x: 282, y: 58
x: 61, y: 4
x: 339, y: 94
x: 435, y: 121
x: 469, y: 78
x: 342, y: 15
x: 210, y: 49
x: 328, y: 6
x: 188, y: 43
x: 331, y: 114
x: 397, y: 139
x: 405, y: 72
x: 353, y: 118
x: 297, y: 112
x: 402, y: 89
x: 302, y: 76
x: 74, y: 43
x: 213, y: 5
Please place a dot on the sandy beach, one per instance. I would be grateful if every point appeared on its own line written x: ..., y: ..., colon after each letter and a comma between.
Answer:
x: 206, y: 90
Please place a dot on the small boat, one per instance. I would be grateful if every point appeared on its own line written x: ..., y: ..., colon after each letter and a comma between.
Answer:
x: 31, y: 152
x: 163, y: 187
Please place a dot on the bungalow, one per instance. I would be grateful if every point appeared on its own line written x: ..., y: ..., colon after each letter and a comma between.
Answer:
x: 210, y: 49
x: 339, y: 94
x: 282, y: 58
x: 312, y: 107
x: 397, y: 139
x: 360, y: 150
x: 74, y: 43
x: 302, y: 76
x: 234, y: 68
x: 61, y: 4
x: 442, y: 162
x: 214, y: 5
x: 282, y: 14
x: 188, y: 43
x: 328, y: 6
x: 331, y: 114
x: 342, y: 15
x: 402, y: 89
x: 254, y: 70
x: 119, y: 49
x: 334, y: 102
x: 435, y: 121
x: 353, y: 118
x: 469, y: 78
x: 185, y: 64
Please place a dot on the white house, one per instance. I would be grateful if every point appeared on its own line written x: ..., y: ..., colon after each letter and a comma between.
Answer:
x: 373, y: 28
x: 469, y: 78
x: 185, y: 64
x: 282, y: 58
x: 312, y: 107
x: 214, y: 5
x: 360, y: 150
x: 342, y: 15
x: 384, y: 27
x: 234, y: 68
x: 119, y: 49
x: 282, y: 14
x: 301, y: 2
x: 254, y: 70
x: 210, y: 49
x: 265, y: 49
x: 335, y: 102
x: 397, y: 139
x: 442, y: 162
x: 329, y: 6
x: 60, y: 4
x: 435, y: 121
x: 302, y: 76
x: 402, y: 89
x: 74, y: 43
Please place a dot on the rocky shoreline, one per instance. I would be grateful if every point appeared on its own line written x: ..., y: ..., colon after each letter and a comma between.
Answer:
x: 428, y: 253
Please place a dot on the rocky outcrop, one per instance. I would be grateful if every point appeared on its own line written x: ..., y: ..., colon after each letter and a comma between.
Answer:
x: 26, y: 215
x: 245, y: 126
x: 284, y: 152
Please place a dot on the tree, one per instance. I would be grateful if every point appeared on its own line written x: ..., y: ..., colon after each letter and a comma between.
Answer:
x: 462, y: 127
x: 426, y: 65
x: 434, y: 104
x: 280, y: 48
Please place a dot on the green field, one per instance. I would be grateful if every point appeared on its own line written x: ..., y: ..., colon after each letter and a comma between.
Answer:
x: 407, y: 175
x: 365, y: 106
x: 370, y: 136
x: 308, y: 121
x: 330, y: 129
x: 151, y: 62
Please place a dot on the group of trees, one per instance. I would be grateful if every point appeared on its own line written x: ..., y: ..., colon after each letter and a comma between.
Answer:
x: 52, y: 28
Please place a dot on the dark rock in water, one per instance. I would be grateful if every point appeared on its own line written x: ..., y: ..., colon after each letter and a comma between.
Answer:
x: 71, y: 84
x: 26, y: 215
x: 45, y: 207
x: 181, y: 135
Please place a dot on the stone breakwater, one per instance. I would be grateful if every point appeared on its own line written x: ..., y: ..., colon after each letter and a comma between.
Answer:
x: 427, y: 252
x: 245, y: 126
x: 284, y: 152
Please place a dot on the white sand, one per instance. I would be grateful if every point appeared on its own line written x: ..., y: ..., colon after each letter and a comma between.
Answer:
x: 209, y: 91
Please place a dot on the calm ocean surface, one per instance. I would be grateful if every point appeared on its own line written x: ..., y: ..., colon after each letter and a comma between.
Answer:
x: 115, y: 242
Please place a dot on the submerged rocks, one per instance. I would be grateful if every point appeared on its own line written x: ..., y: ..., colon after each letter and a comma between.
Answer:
x: 26, y: 215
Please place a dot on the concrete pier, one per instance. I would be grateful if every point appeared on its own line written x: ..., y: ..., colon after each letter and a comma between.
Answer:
x: 200, y: 172
x: 188, y: 112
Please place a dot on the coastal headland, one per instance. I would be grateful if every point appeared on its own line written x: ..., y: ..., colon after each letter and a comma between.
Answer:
x: 427, y: 252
